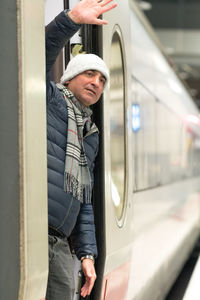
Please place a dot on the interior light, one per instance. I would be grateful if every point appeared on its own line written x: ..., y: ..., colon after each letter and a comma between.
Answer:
x: 135, y: 117
x: 145, y: 5
x: 193, y: 119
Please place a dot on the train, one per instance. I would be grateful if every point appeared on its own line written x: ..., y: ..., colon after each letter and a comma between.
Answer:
x: 146, y: 194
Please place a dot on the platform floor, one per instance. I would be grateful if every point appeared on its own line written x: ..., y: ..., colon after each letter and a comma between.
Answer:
x: 179, y: 288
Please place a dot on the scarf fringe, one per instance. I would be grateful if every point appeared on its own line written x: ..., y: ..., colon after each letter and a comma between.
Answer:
x: 78, y: 190
x: 77, y: 179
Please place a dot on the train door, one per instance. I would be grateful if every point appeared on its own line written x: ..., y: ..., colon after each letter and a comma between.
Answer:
x: 113, y: 228
x: 23, y: 192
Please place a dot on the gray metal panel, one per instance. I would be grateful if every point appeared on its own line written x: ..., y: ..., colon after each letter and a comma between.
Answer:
x: 9, y: 165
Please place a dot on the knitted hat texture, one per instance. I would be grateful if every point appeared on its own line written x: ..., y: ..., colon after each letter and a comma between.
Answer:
x: 84, y: 62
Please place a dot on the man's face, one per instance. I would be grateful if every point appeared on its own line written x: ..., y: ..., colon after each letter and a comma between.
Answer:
x: 87, y: 87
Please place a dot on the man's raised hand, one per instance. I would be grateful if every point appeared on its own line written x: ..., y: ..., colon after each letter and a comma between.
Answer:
x: 88, y: 11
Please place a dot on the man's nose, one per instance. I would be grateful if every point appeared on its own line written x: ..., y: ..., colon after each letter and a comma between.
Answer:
x: 96, y: 81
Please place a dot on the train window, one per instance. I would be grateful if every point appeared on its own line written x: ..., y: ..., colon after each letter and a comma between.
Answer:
x: 117, y: 126
x: 143, y: 121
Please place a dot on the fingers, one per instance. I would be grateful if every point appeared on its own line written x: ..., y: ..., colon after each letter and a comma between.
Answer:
x: 88, y: 11
x: 87, y: 287
x: 104, y: 2
x: 90, y: 277
x: 104, y: 10
x: 106, y: 7
x: 100, y: 22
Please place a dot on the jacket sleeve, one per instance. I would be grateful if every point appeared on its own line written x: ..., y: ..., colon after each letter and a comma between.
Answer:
x: 58, y: 32
x: 83, y: 238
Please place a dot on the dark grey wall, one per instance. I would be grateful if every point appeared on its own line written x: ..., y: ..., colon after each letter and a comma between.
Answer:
x: 9, y: 168
x: 182, y: 14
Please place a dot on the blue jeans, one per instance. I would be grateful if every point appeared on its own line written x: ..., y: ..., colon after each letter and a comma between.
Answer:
x: 61, y: 270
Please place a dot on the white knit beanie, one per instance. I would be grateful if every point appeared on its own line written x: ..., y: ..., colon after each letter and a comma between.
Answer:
x: 84, y: 62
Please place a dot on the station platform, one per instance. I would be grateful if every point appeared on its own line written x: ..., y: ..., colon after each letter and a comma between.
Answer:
x: 193, y: 291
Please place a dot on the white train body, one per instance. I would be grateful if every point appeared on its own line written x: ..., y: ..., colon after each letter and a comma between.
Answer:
x: 157, y: 229
x: 147, y: 191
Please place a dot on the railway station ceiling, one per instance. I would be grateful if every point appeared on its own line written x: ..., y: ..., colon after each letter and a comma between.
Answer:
x: 177, y: 24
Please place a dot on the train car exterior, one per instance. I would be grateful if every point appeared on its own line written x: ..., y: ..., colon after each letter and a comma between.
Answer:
x: 146, y: 194
x: 151, y: 146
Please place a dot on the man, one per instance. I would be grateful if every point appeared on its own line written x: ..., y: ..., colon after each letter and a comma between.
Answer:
x: 72, y: 145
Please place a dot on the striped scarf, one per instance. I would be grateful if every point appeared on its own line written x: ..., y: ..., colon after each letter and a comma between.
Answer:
x: 77, y: 179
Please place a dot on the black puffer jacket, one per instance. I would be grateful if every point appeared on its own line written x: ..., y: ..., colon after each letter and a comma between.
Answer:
x: 66, y: 214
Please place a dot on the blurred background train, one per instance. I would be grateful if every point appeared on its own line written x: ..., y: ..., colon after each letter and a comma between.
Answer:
x: 147, y: 187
